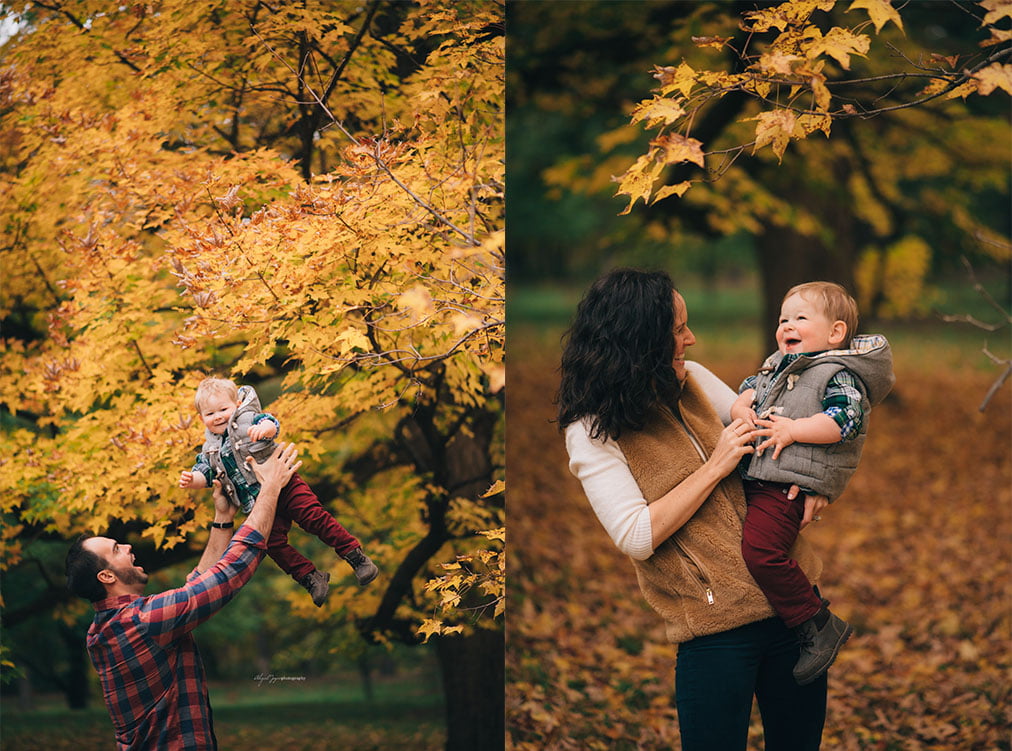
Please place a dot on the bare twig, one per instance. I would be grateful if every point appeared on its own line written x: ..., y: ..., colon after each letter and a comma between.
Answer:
x: 998, y: 382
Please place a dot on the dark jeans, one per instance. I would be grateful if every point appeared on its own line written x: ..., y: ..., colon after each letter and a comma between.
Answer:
x: 771, y: 526
x: 717, y: 675
x: 299, y: 503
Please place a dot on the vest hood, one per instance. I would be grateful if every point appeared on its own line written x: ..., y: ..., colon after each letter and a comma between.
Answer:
x: 869, y: 358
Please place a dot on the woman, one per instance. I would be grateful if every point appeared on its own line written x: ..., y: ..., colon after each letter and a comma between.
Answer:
x: 645, y: 433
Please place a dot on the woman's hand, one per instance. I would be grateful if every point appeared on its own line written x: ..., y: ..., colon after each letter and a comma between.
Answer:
x: 735, y: 442
x: 813, y: 505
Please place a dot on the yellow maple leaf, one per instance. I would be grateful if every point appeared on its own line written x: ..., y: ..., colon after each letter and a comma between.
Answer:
x: 997, y: 37
x: 352, y: 338
x: 638, y: 181
x: 672, y: 190
x: 994, y: 76
x: 880, y: 12
x: 822, y: 95
x: 658, y: 111
x: 809, y: 123
x: 715, y: 42
x: 840, y: 44
x: 495, y: 534
x: 678, y: 148
x: 777, y: 62
x: 996, y: 10
x: 430, y: 627
x: 774, y: 128
x: 682, y: 78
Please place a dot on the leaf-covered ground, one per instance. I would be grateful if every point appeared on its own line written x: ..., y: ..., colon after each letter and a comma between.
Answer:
x: 917, y: 556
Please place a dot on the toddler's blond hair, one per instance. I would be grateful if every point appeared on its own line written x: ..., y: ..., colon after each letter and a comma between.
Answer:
x: 211, y: 386
x: 835, y: 302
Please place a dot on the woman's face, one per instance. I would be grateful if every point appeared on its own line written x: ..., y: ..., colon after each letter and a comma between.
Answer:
x: 684, y: 337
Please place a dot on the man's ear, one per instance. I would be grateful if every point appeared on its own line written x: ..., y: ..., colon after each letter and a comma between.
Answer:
x: 838, y: 333
x: 106, y: 576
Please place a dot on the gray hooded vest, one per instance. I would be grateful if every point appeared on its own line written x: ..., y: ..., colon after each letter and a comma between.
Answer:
x: 798, y: 392
x: 242, y: 447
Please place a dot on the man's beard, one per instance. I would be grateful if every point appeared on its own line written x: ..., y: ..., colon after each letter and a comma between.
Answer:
x: 130, y: 576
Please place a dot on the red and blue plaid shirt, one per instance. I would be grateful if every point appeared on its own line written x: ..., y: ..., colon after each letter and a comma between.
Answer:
x: 151, y: 672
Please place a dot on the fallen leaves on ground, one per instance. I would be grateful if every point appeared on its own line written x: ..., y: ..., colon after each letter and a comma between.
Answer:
x: 917, y: 556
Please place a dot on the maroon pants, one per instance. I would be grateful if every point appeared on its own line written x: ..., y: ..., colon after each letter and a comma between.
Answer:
x: 772, y: 524
x: 298, y: 503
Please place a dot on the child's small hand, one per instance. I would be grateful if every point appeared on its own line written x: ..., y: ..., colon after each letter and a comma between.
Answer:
x: 261, y: 430
x: 194, y: 480
x: 742, y: 408
x: 779, y: 430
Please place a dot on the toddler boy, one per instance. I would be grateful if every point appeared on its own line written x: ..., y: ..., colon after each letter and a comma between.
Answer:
x: 237, y: 429
x: 810, y: 401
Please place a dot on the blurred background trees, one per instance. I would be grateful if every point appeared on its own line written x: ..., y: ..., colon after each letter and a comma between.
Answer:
x: 887, y: 204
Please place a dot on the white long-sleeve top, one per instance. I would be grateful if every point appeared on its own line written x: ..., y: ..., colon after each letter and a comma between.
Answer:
x: 603, y: 470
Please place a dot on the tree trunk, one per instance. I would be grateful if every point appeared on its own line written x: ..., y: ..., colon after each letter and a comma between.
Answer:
x: 787, y: 257
x: 474, y: 686
x: 76, y: 683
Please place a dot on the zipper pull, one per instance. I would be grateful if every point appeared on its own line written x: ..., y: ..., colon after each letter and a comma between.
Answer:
x: 709, y: 596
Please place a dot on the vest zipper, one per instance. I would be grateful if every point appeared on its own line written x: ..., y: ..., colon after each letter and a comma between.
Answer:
x: 704, y: 578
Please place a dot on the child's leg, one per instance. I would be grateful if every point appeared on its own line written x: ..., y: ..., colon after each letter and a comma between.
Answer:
x: 290, y: 560
x: 771, y: 526
x: 305, y: 509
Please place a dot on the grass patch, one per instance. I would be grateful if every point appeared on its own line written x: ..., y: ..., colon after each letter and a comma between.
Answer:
x: 314, y: 715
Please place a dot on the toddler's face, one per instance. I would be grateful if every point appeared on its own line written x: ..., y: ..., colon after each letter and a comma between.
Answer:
x: 216, y: 411
x: 804, y: 327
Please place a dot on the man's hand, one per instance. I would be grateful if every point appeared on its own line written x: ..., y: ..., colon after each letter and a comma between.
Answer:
x: 193, y: 480
x: 224, y: 510
x: 273, y: 475
x: 278, y: 469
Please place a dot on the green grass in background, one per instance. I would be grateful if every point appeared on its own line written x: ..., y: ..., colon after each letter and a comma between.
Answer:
x: 314, y: 715
x: 725, y: 319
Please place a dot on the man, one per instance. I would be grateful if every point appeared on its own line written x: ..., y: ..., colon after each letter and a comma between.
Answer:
x: 146, y: 658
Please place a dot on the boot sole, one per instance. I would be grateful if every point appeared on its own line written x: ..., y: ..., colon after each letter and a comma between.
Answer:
x: 848, y: 632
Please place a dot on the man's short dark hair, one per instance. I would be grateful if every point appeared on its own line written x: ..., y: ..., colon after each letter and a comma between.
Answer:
x: 82, y: 571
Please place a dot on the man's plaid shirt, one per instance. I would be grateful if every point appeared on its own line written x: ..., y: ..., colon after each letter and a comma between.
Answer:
x: 842, y: 400
x: 147, y: 660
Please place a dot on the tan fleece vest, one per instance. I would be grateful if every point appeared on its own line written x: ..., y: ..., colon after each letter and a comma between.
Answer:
x: 696, y: 579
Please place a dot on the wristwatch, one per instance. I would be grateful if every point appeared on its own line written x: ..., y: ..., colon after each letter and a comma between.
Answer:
x: 223, y: 525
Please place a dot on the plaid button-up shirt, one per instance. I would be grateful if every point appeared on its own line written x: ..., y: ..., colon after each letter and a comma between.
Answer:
x: 151, y: 672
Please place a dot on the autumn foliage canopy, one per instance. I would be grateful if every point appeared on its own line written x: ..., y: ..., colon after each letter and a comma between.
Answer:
x: 307, y: 198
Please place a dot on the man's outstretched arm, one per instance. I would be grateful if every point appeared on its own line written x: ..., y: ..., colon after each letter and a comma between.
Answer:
x: 273, y: 475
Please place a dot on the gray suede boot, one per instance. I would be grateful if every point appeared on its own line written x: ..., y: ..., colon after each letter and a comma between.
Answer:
x: 819, y: 645
x: 318, y: 584
x: 365, y: 569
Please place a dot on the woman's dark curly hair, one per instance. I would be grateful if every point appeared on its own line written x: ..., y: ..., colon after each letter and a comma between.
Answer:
x: 616, y: 363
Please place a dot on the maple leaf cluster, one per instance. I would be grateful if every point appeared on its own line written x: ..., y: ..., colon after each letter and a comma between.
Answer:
x: 798, y: 74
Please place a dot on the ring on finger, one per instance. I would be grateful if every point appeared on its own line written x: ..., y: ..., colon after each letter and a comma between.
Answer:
x: 817, y: 518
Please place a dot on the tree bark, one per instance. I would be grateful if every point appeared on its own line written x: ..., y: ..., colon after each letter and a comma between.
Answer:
x: 474, y: 687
